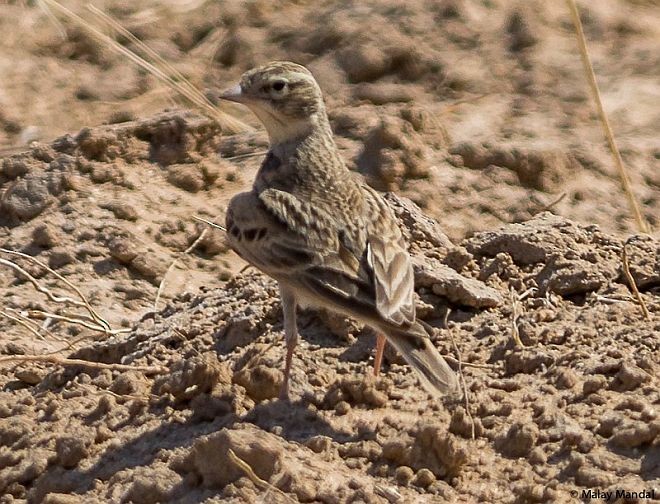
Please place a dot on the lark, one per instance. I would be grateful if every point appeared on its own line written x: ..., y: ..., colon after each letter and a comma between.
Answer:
x: 328, y: 239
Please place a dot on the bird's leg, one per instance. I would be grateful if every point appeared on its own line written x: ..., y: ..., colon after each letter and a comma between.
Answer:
x: 290, y: 336
x: 380, y: 348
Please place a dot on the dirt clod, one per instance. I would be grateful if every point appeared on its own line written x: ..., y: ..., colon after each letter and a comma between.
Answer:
x: 260, y: 450
x: 70, y: 451
x: 519, y: 440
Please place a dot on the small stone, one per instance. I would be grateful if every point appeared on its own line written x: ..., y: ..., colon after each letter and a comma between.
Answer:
x: 396, y: 451
x: 424, y: 478
x: 70, y: 450
x: 214, y: 242
x: 121, y: 210
x: 261, y: 382
x: 635, y: 434
x: 630, y: 377
x: 519, y: 440
x: 12, y: 168
x: 363, y: 62
x: 593, y: 384
x: 186, y: 176
x: 150, y: 266
x: 101, y: 173
x: 342, y: 408
x: 404, y: 475
x: 59, y: 257
x: 123, y: 249
x: 566, y: 378
x: 353, y: 463
x: 319, y: 444
x: 208, y: 407
x: 30, y: 376
x: 61, y: 498
x: 592, y: 477
x: 27, y: 198
x: 193, y: 376
x: 128, y: 383
x: 537, y: 456
x: 446, y: 282
x: 262, y: 451
x: 381, y: 93
x: 462, y: 424
x: 44, y: 236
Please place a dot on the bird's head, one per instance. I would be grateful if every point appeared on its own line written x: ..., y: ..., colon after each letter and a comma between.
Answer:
x: 284, y: 96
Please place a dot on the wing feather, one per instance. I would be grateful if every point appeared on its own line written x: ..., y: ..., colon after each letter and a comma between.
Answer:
x: 363, y: 266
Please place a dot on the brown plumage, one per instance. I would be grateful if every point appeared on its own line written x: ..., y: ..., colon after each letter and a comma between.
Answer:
x: 329, y: 240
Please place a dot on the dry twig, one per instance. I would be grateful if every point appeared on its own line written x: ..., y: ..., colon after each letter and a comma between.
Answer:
x: 553, y: 203
x: 457, y: 103
x: 60, y: 361
x: 633, y: 284
x: 469, y: 364
x: 460, y: 373
x: 247, y: 155
x: 83, y: 300
x: 38, y: 286
x: 516, y: 312
x: 210, y: 223
x: 174, y: 263
x: 389, y: 492
x: 22, y: 322
x: 642, y: 225
x: 142, y: 399
x: 52, y: 18
x: 44, y: 315
x: 33, y: 327
x: 249, y: 472
x: 114, y: 24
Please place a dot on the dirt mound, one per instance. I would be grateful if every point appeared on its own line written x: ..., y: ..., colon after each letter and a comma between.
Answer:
x: 572, y: 408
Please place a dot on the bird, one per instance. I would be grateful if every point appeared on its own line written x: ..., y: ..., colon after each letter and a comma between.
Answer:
x: 327, y: 238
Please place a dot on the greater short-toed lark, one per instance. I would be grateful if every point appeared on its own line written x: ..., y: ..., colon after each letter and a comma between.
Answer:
x: 328, y: 239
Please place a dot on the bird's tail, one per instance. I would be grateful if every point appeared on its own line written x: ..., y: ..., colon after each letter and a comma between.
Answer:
x: 415, y: 345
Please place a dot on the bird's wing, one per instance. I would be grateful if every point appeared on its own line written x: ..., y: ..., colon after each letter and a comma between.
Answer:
x: 361, y: 266
x: 317, y: 250
x: 392, y: 268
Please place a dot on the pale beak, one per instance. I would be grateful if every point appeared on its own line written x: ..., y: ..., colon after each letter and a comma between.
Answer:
x: 234, y: 94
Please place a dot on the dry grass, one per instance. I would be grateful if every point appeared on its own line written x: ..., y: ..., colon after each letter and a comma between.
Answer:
x: 466, y: 397
x: 97, y: 322
x: 61, y: 361
x: 516, y: 313
x: 90, y: 320
x: 260, y: 483
x: 28, y: 318
x: 192, y: 246
x: 210, y: 223
x: 632, y: 283
x: 153, y: 63
x: 642, y: 225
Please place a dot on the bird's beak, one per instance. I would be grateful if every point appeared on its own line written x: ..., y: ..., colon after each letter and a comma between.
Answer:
x: 234, y: 94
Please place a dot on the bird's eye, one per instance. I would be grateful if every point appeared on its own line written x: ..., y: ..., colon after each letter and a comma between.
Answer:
x: 279, y: 85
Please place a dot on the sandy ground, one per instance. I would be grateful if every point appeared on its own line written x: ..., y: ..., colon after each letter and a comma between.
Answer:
x: 478, y: 112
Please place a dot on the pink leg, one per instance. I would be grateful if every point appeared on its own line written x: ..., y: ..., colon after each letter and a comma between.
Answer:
x: 284, y: 389
x: 291, y: 336
x: 380, y: 348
